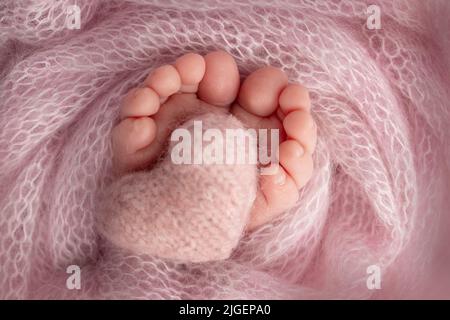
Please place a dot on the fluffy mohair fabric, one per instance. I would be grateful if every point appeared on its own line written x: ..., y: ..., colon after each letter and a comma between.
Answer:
x: 183, y: 212
x: 378, y: 196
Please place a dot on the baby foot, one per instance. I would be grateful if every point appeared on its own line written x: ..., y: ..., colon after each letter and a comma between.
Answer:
x: 196, y: 84
x: 266, y: 100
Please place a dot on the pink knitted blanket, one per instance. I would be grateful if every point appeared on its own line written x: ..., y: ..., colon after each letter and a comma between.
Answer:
x: 372, y: 223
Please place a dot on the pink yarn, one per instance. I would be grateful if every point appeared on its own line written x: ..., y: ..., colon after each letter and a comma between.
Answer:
x: 182, y: 212
x: 379, y: 195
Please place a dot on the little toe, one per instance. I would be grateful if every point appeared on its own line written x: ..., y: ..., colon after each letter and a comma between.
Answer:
x: 278, y: 192
x: 220, y: 83
x: 297, y: 164
x: 300, y: 126
x: 191, y: 68
x: 260, y: 91
x: 165, y: 80
x: 128, y: 137
x: 140, y: 102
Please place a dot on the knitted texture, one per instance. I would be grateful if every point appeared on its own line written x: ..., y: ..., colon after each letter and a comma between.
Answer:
x: 185, y: 212
x: 379, y: 193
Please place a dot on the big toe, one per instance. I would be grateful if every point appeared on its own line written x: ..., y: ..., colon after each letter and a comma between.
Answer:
x: 220, y: 84
x: 260, y: 91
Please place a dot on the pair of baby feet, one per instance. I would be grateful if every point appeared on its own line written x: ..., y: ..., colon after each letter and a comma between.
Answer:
x: 265, y: 100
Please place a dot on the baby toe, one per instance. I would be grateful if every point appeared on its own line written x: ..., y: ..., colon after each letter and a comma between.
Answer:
x: 297, y: 163
x: 220, y: 83
x: 294, y: 97
x: 191, y: 68
x: 128, y: 138
x: 260, y: 91
x: 300, y: 126
x: 140, y: 102
x: 165, y: 80
x: 277, y: 193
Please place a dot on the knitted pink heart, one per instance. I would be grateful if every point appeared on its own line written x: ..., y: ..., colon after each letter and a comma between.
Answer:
x: 189, y: 213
